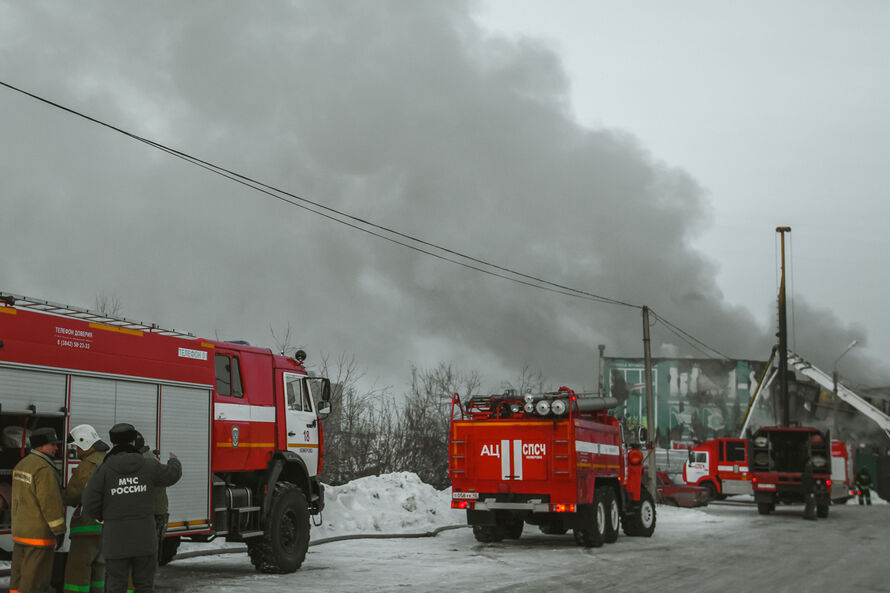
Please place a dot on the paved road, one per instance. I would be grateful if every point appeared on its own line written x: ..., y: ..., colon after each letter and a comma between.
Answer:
x: 725, y: 549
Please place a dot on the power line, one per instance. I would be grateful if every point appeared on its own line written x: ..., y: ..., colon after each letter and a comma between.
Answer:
x: 688, y: 338
x: 321, y: 210
x: 361, y: 224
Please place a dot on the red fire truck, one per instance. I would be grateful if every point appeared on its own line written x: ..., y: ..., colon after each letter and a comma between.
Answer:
x: 778, y: 460
x: 721, y: 466
x: 554, y: 460
x: 244, y: 422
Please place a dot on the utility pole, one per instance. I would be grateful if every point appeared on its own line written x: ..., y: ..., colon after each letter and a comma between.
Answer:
x: 600, y: 380
x: 650, y: 403
x: 783, y: 338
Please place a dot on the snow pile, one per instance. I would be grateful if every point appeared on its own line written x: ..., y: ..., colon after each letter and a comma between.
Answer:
x: 391, y: 503
x: 696, y: 519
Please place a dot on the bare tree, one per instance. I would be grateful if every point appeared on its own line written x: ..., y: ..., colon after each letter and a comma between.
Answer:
x: 528, y: 381
x: 108, y: 305
x: 358, y: 433
x: 422, y: 435
x: 284, y: 345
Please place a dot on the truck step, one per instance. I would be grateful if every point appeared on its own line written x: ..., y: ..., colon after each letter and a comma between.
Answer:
x: 250, y: 534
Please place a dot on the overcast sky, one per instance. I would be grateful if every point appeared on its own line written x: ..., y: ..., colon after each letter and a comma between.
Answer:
x: 642, y: 151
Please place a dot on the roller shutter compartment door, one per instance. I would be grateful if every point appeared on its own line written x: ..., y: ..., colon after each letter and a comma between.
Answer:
x: 93, y: 403
x: 137, y: 403
x: 185, y: 431
x: 21, y: 388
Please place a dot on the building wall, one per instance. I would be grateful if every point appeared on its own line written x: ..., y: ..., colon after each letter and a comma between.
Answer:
x: 695, y: 399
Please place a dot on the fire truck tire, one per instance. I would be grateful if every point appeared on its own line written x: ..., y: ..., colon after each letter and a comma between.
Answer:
x: 640, y: 522
x: 822, y: 511
x: 513, y: 528
x: 282, y: 548
x: 613, y: 517
x: 593, y: 533
x: 487, y: 534
x: 712, y: 490
x: 765, y: 508
x: 169, y: 547
x: 554, y: 528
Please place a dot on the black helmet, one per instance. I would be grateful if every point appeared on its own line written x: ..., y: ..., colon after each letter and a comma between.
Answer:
x: 43, y: 436
x: 122, y: 433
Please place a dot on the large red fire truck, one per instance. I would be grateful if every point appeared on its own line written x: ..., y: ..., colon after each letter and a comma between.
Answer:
x: 554, y: 460
x: 779, y: 456
x: 244, y: 422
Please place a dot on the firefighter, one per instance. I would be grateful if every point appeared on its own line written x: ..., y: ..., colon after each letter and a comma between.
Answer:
x: 38, y: 514
x: 808, y: 484
x: 121, y: 495
x: 85, y: 568
x: 160, y: 503
x: 863, y: 482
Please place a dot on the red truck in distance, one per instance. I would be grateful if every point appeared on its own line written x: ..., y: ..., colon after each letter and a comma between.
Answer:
x: 554, y: 460
x: 721, y: 466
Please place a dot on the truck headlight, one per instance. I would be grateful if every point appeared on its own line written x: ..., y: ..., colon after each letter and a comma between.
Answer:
x: 761, y: 441
x: 819, y: 461
x: 559, y: 407
x: 761, y: 458
x: 542, y: 407
x: 529, y: 407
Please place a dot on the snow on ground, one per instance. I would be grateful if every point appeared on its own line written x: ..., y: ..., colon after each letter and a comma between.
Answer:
x: 391, y: 503
x: 401, y: 503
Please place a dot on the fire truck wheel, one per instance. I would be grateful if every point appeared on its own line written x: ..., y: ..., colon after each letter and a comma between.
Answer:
x: 554, y: 528
x: 822, y: 511
x: 488, y: 533
x: 613, y: 517
x: 765, y: 508
x: 593, y: 533
x: 513, y: 528
x: 712, y: 490
x: 640, y: 522
x: 283, y: 546
x: 169, y: 547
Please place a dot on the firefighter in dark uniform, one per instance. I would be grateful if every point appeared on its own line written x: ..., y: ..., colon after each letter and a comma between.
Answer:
x: 121, y: 495
x: 38, y: 514
x: 808, y: 484
x: 863, y: 482
x: 85, y: 568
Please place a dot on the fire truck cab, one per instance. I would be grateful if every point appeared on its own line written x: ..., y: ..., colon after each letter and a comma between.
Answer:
x: 245, y: 423
x: 553, y: 460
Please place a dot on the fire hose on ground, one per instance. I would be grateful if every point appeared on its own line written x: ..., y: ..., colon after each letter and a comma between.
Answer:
x: 318, y: 542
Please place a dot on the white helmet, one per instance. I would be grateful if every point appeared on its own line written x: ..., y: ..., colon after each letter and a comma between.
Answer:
x: 84, y: 436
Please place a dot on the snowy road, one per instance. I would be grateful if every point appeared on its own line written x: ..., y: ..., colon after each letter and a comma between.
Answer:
x: 721, y: 548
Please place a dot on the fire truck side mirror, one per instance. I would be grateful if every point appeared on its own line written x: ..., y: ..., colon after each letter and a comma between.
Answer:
x: 642, y: 435
x: 324, y: 404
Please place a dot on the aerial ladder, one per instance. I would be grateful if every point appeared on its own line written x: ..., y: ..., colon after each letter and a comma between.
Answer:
x: 843, y: 393
x: 806, y: 368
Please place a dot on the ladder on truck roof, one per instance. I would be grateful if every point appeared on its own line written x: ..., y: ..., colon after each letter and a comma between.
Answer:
x: 844, y: 393
x: 72, y: 312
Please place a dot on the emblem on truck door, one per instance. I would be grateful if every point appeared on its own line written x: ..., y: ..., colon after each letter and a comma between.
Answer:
x: 235, y: 436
